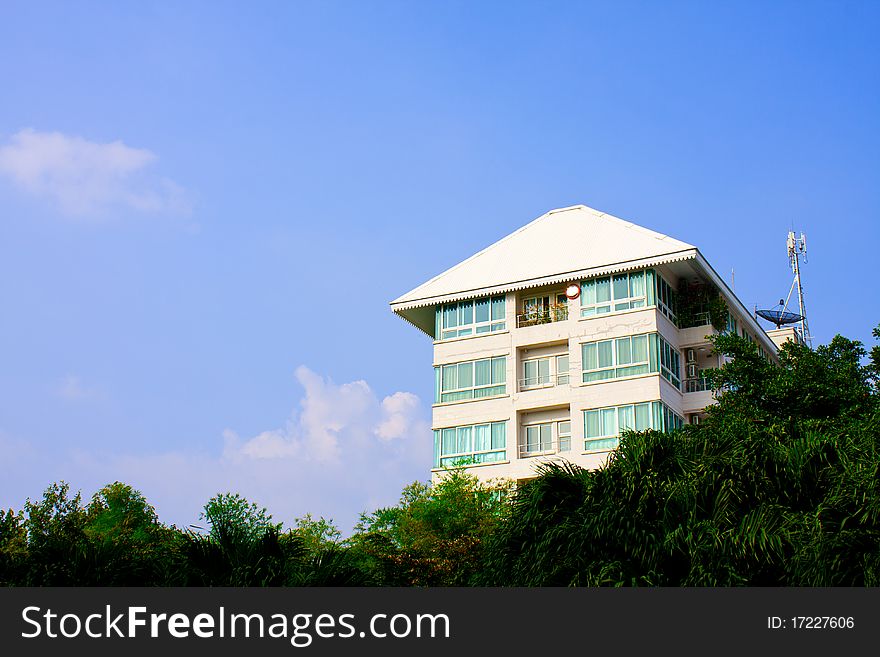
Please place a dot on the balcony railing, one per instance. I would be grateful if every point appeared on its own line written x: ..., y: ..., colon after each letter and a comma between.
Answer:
x: 546, y: 381
x: 544, y: 448
x: 698, y: 319
x: 542, y: 316
x: 696, y: 385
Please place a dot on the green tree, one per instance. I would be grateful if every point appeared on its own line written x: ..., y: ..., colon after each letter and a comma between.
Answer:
x: 58, y: 551
x: 13, y: 547
x: 243, y: 547
x: 230, y: 512
x: 317, y: 534
x: 137, y: 549
x: 433, y: 537
x: 779, y: 486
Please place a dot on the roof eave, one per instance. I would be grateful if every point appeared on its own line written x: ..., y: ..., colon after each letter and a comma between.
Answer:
x: 398, y: 305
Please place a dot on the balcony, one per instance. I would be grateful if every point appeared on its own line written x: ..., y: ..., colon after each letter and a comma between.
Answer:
x: 545, y: 438
x: 528, y: 449
x: 696, y: 385
x: 698, y: 395
x: 548, y: 315
x: 698, y: 319
x: 544, y: 381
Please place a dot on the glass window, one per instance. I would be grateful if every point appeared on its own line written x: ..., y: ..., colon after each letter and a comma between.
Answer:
x: 482, y: 441
x: 626, y: 418
x: 592, y: 426
x: 609, y: 359
x: 483, y: 315
x: 642, y: 416
x: 481, y: 310
x: 606, y: 353
x: 731, y: 324
x: 588, y: 292
x: 666, y: 301
x: 497, y: 309
x: 499, y: 370
x: 603, y: 426
x: 538, y: 439
x: 449, y: 445
x: 498, y: 435
x: 464, y: 439
x: 536, y: 372
x: 471, y: 379
x: 483, y: 372
x: 472, y: 444
x: 546, y: 437
x: 624, y: 352
x: 591, y: 356
x: 639, y: 348
x: 563, y: 431
x: 670, y: 362
x: 616, y: 293
x: 450, y: 316
x: 562, y: 370
x: 621, y: 286
x: 637, y: 284
x: 450, y: 377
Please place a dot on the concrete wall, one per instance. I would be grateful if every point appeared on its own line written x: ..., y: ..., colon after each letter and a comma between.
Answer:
x: 556, y: 402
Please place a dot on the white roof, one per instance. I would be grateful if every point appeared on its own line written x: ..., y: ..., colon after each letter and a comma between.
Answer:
x: 561, y: 245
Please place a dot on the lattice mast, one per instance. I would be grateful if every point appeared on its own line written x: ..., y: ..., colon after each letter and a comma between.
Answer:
x: 797, y: 248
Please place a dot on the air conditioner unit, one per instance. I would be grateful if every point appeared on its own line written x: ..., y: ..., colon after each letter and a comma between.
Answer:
x: 692, y: 371
x: 691, y: 356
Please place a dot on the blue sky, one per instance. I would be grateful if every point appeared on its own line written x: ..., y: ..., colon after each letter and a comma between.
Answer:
x: 206, y: 207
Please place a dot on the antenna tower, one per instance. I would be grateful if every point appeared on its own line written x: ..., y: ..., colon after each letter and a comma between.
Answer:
x: 797, y: 248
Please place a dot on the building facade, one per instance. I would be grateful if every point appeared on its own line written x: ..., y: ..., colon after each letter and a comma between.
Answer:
x: 555, y: 339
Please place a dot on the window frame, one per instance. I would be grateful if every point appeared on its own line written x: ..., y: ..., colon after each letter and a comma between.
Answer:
x: 443, y: 460
x: 540, y: 380
x: 439, y: 381
x: 474, y: 327
x: 613, y: 303
x: 616, y: 364
x: 555, y: 444
x: 660, y: 418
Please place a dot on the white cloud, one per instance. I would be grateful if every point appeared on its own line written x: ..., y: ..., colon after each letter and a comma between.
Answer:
x: 86, y: 178
x: 73, y: 389
x: 343, y: 450
x: 400, y: 411
x: 333, y: 418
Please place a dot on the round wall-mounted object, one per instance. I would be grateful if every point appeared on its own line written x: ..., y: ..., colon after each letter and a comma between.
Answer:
x: 573, y: 291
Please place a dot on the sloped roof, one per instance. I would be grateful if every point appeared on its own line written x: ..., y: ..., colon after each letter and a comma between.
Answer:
x: 561, y: 245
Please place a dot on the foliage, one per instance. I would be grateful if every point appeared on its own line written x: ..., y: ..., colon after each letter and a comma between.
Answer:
x: 779, y: 486
x: 231, y: 513
x: 718, y: 312
x: 13, y: 545
x: 433, y: 537
x: 317, y: 534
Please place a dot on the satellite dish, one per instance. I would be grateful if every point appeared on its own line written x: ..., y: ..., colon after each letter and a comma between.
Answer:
x: 779, y: 315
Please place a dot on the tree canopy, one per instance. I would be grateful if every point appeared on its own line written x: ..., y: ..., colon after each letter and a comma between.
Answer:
x: 780, y: 485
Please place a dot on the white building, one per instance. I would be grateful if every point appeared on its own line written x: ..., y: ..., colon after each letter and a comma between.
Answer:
x: 578, y: 325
